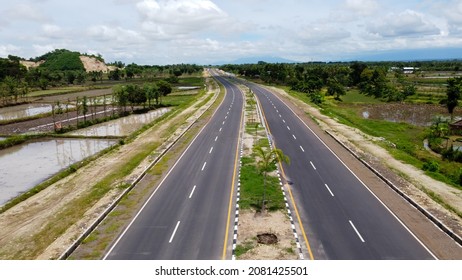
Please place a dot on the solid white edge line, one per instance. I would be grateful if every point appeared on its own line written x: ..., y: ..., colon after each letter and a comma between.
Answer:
x: 331, y: 193
x: 357, y: 232
x: 192, y: 191
x: 344, y: 164
x: 174, y: 231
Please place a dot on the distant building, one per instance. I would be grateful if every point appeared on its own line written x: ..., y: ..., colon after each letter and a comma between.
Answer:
x: 406, y: 70
x: 409, y: 70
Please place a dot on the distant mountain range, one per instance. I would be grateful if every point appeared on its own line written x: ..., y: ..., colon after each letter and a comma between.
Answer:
x: 409, y: 55
x: 389, y: 55
x: 256, y: 59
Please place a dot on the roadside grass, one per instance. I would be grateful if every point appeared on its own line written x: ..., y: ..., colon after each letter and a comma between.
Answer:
x: 77, y: 208
x: 403, y: 141
x: 353, y: 96
x: 177, y: 100
x: 191, y: 81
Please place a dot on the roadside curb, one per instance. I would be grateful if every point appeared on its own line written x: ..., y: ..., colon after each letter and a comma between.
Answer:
x: 115, y: 202
x: 426, y: 213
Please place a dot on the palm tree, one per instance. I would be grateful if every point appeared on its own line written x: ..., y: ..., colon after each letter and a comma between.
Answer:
x: 267, y: 158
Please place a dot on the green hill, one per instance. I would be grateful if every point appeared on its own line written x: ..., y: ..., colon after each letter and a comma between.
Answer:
x: 61, y: 60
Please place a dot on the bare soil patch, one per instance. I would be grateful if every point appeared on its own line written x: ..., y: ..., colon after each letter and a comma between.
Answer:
x: 273, y: 223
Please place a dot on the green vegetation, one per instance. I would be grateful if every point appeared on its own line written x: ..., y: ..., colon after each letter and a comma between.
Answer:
x: 61, y: 60
x: 243, y: 248
x: 252, y: 188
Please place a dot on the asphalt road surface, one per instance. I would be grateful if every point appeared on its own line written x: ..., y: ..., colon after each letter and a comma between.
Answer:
x: 187, y: 216
x: 342, y: 219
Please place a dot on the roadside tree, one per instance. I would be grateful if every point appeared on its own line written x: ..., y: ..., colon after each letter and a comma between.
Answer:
x: 266, y: 160
x: 453, y: 91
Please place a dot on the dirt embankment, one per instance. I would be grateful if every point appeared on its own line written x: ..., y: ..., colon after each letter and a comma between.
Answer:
x: 91, y: 64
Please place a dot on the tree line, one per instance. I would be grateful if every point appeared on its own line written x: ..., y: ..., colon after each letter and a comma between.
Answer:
x: 62, y: 67
x: 135, y: 95
x: 379, y: 80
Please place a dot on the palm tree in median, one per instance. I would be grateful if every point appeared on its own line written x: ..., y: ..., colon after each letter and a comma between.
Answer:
x: 266, y: 159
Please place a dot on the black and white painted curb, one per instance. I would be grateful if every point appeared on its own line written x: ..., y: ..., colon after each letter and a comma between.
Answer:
x: 238, y: 188
x: 289, y: 212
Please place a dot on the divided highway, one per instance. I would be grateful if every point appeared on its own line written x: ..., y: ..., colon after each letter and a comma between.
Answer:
x: 341, y: 217
x: 187, y: 216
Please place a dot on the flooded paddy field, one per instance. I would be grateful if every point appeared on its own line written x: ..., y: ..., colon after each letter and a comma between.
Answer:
x: 23, y: 111
x: 24, y: 166
x: 122, y: 126
x: 415, y: 114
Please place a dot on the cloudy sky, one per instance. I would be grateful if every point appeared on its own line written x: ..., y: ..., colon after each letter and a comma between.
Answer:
x: 212, y: 31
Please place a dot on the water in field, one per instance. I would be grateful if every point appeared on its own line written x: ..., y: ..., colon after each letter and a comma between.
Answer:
x: 121, y: 127
x: 27, y: 110
x: 23, y: 111
x: 415, y: 114
x: 26, y: 165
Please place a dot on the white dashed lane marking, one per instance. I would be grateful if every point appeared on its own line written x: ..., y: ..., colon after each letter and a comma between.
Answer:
x: 192, y: 191
x: 331, y: 193
x: 314, y: 167
x: 357, y: 232
x: 174, y: 231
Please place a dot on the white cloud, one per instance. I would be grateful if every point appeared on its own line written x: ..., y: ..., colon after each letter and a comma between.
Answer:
x: 42, y: 49
x: 169, y: 18
x: 24, y: 12
x: 115, y: 34
x: 52, y: 31
x: 8, y: 49
x: 405, y: 24
x: 452, y: 12
x: 175, y: 31
x: 362, y: 7
x: 320, y: 34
